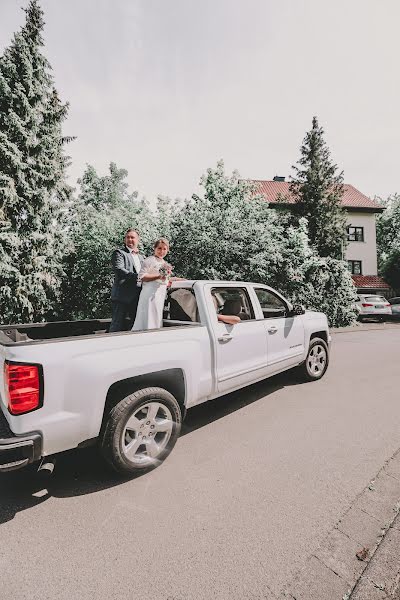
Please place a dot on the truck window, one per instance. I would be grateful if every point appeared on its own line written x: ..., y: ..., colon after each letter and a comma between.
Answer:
x: 181, y: 305
x: 271, y: 305
x: 233, y: 301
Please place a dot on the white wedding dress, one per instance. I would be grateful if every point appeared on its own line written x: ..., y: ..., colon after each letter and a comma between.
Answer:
x: 149, y: 313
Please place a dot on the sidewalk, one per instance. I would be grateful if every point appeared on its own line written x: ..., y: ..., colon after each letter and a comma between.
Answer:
x: 381, y: 578
x: 360, y: 557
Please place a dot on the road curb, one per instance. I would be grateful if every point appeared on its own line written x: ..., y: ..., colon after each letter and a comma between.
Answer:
x: 365, y: 327
x: 335, y: 570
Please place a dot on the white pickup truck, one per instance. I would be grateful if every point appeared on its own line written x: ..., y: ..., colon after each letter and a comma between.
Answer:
x: 71, y: 384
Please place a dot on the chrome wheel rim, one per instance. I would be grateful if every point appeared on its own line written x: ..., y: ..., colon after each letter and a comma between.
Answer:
x: 316, y: 360
x: 147, y: 433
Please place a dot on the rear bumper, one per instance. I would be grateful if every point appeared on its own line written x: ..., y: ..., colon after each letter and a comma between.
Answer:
x: 17, y: 451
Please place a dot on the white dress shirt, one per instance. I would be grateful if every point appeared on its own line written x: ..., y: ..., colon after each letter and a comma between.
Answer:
x: 136, y: 261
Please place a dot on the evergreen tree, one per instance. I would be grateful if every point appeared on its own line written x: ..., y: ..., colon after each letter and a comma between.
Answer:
x: 33, y: 192
x: 318, y: 189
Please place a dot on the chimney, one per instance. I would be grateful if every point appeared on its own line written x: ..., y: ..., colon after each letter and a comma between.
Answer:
x: 279, y: 178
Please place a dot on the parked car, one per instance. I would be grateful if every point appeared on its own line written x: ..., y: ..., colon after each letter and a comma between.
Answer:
x: 395, y: 304
x: 372, y: 306
x: 71, y: 384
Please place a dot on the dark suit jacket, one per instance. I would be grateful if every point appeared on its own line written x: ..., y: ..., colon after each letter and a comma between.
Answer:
x: 124, y: 289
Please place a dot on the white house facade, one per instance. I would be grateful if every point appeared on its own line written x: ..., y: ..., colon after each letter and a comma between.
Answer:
x: 361, y: 245
x: 360, y: 253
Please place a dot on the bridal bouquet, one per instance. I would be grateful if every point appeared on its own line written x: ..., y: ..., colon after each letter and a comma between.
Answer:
x: 165, y: 272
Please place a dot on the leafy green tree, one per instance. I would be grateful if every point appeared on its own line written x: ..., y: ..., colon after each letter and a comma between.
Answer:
x: 165, y: 215
x: 215, y: 236
x: 318, y: 189
x: 388, y: 241
x: 229, y: 233
x: 105, y: 191
x: 391, y: 268
x: 33, y: 192
x: 388, y: 227
x: 105, y: 209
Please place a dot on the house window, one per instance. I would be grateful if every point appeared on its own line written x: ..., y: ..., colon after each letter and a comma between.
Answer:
x: 355, y: 234
x: 354, y: 267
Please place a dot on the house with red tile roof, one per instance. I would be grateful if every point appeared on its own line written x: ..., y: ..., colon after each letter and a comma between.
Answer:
x: 361, y: 212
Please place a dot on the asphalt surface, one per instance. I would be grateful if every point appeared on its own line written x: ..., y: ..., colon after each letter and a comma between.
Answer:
x: 253, y: 486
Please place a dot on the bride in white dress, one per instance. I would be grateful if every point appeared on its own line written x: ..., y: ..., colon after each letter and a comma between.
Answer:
x: 154, y: 288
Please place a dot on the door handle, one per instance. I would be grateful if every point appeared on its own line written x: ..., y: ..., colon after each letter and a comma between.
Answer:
x: 272, y: 329
x: 225, y: 338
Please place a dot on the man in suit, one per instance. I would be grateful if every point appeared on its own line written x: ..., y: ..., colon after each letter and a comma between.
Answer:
x: 126, y: 263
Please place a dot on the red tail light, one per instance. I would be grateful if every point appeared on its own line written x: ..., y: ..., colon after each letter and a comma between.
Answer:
x: 24, y: 384
x: 367, y: 304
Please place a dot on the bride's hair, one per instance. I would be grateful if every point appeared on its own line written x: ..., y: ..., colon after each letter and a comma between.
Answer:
x: 161, y: 241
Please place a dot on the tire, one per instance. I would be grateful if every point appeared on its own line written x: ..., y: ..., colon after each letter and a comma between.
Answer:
x: 141, y: 430
x: 317, y: 360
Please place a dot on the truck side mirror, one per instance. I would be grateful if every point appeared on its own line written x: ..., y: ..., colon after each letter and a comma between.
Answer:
x: 297, y: 309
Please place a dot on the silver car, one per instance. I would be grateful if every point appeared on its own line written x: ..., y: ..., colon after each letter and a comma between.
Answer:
x: 395, y: 304
x: 372, y: 306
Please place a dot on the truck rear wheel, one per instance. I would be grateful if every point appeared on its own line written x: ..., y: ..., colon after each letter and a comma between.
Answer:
x: 141, y: 430
x: 317, y: 360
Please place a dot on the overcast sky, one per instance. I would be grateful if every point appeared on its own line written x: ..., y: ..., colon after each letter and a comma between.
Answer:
x: 165, y: 88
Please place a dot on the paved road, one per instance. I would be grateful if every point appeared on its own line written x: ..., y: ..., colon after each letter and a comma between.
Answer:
x: 253, y: 486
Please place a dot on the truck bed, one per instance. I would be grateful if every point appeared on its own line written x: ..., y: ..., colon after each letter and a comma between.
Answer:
x: 58, y: 330
x: 51, y: 330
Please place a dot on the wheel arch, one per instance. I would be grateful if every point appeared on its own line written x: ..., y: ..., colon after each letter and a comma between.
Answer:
x: 172, y: 380
x: 319, y: 334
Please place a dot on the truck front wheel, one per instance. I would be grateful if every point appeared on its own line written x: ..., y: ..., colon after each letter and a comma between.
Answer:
x: 141, y: 430
x: 317, y: 360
